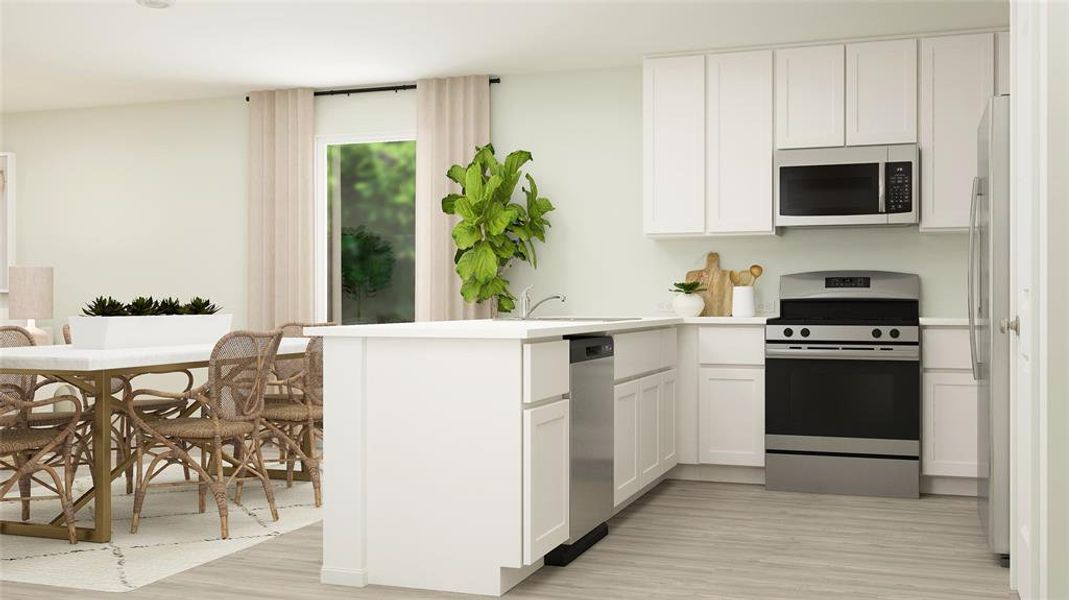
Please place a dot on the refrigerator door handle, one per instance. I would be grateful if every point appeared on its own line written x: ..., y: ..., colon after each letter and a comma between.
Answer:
x: 973, y: 235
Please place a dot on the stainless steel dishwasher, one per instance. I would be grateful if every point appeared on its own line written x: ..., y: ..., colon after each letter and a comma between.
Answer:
x: 591, y: 446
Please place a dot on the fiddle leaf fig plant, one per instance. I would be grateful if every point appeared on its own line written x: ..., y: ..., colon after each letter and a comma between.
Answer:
x: 493, y: 230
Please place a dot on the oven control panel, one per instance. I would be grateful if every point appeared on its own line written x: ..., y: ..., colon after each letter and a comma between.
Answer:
x: 898, y: 181
x: 846, y: 334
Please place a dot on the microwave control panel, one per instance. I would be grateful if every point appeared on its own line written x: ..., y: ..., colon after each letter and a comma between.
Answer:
x: 899, y: 184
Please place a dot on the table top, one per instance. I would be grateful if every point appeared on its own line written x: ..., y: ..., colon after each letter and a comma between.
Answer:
x: 69, y: 358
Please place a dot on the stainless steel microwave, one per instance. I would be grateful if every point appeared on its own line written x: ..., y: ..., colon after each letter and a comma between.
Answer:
x: 863, y: 185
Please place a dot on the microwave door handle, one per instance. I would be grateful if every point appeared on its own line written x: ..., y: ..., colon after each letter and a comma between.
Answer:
x: 883, y: 197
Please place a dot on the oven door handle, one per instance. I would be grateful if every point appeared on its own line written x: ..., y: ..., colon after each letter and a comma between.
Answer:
x: 898, y: 353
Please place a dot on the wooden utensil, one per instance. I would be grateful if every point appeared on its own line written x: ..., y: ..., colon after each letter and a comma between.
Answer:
x: 745, y: 278
x: 756, y: 271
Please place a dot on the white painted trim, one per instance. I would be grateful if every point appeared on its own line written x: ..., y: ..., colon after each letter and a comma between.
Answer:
x: 10, y: 218
x: 948, y: 486
x: 827, y: 41
x: 346, y: 577
x: 321, y: 294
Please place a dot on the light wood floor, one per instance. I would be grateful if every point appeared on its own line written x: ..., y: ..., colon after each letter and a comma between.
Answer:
x: 683, y: 540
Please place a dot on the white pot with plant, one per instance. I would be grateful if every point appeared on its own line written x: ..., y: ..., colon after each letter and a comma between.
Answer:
x: 493, y: 231
x: 144, y: 322
x: 688, y: 301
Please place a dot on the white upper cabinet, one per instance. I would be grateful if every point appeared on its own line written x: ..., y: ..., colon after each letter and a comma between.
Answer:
x: 738, y: 142
x: 957, y: 78
x: 1002, y: 67
x: 674, y: 145
x: 809, y: 97
x: 881, y: 93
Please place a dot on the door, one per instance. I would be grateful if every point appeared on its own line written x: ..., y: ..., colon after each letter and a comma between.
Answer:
x: 625, y: 441
x: 738, y: 142
x: 809, y: 97
x: 667, y: 440
x: 649, y: 428
x: 1027, y: 160
x: 546, y: 476
x: 956, y: 81
x: 731, y: 413
x: 674, y: 145
x: 881, y: 93
x: 950, y: 424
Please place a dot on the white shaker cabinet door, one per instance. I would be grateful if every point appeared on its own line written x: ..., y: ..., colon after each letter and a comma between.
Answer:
x: 809, y: 97
x: 957, y: 78
x: 625, y: 441
x: 738, y: 142
x: 673, y: 108
x: 950, y: 424
x: 731, y: 413
x: 669, y: 453
x: 881, y: 93
x: 649, y: 428
x: 546, y: 477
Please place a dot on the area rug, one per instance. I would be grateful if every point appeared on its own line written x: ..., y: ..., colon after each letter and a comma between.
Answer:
x: 172, y: 537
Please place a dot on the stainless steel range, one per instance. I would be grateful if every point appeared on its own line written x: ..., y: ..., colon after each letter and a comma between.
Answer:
x: 842, y: 384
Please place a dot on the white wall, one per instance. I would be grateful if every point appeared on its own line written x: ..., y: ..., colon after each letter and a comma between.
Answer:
x: 366, y: 114
x: 584, y: 130
x: 130, y: 200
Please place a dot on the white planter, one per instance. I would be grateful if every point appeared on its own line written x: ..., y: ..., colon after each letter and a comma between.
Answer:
x: 742, y: 301
x: 100, y: 333
x: 688, y: 305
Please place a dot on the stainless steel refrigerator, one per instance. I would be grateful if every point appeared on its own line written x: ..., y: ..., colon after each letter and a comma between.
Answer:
x: 989, y: 304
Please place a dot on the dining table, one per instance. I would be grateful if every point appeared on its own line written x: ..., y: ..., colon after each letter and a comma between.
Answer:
x: 91, y: 371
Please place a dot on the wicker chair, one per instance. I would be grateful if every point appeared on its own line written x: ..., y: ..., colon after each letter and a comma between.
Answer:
x: 122, y: 430
x: 26, y: 450
x: 232, y: 400
x: 296, y: 425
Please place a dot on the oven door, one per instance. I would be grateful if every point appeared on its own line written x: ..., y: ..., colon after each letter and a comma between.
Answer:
x: 838, y: 400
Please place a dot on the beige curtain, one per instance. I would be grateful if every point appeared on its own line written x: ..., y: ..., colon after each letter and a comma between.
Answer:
x: 453, y: 117
x: 281, y: 213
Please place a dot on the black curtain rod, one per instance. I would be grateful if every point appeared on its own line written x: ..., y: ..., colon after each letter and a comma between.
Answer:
x: 382, y: 88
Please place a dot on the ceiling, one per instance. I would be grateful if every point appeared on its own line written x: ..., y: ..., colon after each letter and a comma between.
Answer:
x: 93, y: 53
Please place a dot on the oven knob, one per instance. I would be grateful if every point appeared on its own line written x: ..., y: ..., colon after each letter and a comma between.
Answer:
x: 895, y: 333
x: 876, y: 333
x: 805, y: 332
x: 788, y: 332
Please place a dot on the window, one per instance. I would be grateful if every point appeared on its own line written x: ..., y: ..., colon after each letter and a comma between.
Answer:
x: 370, y: 197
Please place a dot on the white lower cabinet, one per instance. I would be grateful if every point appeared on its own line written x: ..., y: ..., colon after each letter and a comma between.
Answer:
x: 644, y: 435
x: 949, y: 423
x: 731, y: 413
x: 546, y: 476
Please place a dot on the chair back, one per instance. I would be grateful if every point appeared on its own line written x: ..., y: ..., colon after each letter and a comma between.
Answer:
x: 313, y: 371
x: 287, y: 368
x: 12, y: 336
x: 238, y: 370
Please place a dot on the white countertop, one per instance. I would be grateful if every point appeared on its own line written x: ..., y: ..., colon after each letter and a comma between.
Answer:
x: 493, y: 328
x: 69, y: 358
x: 944, y: 322
x: 758, y: 320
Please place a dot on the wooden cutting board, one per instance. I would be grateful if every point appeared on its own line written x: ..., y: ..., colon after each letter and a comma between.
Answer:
x: 717, y: 284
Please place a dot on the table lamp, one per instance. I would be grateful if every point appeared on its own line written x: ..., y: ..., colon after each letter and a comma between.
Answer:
x: 30, y: 297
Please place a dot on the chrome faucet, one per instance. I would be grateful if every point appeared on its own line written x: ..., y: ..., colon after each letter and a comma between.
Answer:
x: 525, y: 302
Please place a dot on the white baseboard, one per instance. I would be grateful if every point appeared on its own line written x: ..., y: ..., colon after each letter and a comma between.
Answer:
x: 719, y: 474
x: 947, y: 486
x: 346, y: 577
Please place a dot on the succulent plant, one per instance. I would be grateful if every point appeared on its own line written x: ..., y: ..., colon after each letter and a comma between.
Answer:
x: 102, y: 306
x: 199, y: 306
x: 143, y: 306
x: 170, y: 306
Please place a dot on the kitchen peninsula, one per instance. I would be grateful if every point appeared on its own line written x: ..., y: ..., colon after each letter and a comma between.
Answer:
x: 451, y: 445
